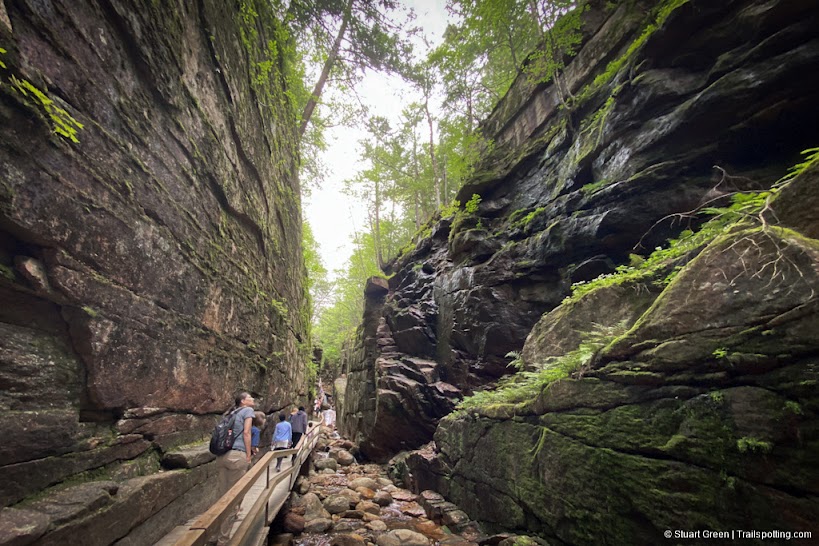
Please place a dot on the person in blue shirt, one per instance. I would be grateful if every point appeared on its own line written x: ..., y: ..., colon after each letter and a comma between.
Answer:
x: 256, y: 431
x: 282, y: 438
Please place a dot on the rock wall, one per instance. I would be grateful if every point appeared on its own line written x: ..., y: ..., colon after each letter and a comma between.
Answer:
x: 149, y: 233
x: 671, y: 106
x: 702, y: 415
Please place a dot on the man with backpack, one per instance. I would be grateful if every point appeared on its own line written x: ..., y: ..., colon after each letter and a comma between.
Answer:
x: 233, y: 464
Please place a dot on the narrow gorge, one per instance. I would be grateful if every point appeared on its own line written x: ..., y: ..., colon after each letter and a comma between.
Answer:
x: 658, y: 389
x: 612, y: 334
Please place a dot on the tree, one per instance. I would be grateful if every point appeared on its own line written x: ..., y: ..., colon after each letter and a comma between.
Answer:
x: 318, y: 285
x: 347, y: 37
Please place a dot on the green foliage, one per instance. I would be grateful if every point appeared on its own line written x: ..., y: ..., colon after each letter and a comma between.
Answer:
x: 318, y: 285
x: 755, y: 445
x: 451, y: 210
x: 517, y: 360
x: 91, y: 312
x: 744, y: 210
x: 717, y: 396
x: 720, y: 352
x: 279, y: 307
x: 524, y: 386
x: 2, y: 52
x: 62, y: 122
x: 471, y: 206
x: 811, y: 158
x: 794, y: 407
x: 526, y: 220
x: 593, y: 187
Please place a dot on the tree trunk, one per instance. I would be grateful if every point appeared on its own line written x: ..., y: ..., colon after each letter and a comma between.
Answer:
x: 435, y: 180
x: 325, y: 71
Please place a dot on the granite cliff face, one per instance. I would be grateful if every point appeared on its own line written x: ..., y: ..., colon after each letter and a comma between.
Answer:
x: 674, y: 105
x: 149, y: 240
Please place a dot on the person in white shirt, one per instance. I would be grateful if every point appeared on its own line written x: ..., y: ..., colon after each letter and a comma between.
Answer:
x: 330, y: 417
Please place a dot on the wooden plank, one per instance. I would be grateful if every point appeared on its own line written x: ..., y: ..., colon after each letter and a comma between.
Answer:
x: 208, y: 523
x: 193, y: 537
x: 216, y: 513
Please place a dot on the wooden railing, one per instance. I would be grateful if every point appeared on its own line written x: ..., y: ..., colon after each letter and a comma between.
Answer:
x: 253, y: 527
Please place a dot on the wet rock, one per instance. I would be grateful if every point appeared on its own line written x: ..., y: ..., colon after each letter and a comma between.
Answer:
x: 365, y: 493
x: 353, y: 514
x: 293, y: 523
x: 313, y: 508
x: 402, y: 537
x: 368, y: 483
x: 344, y: 457
x: 377, y: 526
x: 318, y: 525
x: 335, y: 504
x: 382, y: 498
x: 368, y: 507
x: 455, y: 519
x: 326, y: 464
x: 282, y: 539
x: 348, y: 540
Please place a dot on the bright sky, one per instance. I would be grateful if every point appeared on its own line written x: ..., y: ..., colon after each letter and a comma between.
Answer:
x: 334, y: 216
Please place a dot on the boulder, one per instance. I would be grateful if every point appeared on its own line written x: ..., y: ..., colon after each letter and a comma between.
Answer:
x: 368, y: 483
x: 382, y: 498
x: 368, y: 507
x: 319, y: 525
x: 348, y: 539
x: 402, y: 537
x: 293, y: 523
x: 326, y: 464
x: 336, y: 504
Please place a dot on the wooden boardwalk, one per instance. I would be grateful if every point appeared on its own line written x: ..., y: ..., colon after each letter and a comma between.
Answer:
x: 260, y: 495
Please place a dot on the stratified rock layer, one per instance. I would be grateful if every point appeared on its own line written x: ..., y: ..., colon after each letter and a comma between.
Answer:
x: 702, y: 415
x: 150, y: 260
x: 673, y: 106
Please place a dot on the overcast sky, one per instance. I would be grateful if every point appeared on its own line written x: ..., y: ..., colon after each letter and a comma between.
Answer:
x: 333, y: 215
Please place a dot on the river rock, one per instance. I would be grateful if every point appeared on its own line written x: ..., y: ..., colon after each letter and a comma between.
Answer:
x: 369, y: 483
x: 368, y: 507
x: 348, y: 540
x: 382, y: 498
x: 402, y: 537
x: 326, y: 464
x: 335, y: 504
x: 377, y: 526
x: 344, y: 457
x: 293, y: 523
x: 313, y: 508
x: 318, y: 525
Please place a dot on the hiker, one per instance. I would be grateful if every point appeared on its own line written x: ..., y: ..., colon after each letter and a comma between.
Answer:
x: 256, y: 431
x: 282, y: 437
x: 233, y: 464
x: 298, y: 423
x: 330, y: 417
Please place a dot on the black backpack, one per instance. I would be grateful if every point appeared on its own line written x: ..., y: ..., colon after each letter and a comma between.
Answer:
x: 221, y: 440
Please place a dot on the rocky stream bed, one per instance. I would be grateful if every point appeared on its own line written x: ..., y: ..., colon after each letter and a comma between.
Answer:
x: 341, y: 502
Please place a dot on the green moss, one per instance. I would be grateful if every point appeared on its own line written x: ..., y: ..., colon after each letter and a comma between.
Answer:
x: 750, y: 444
x: 593, y: 187
x: 90, y: 311
x: 793, y: 407
x: 61, y: 121
x: 7, y: 272
x: 662, y: 11
x: 524, y: 222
